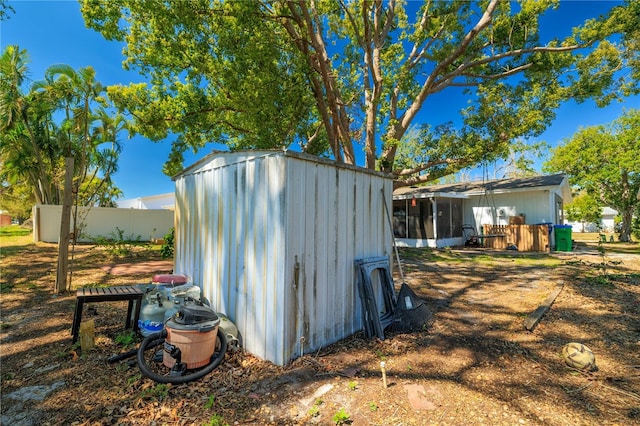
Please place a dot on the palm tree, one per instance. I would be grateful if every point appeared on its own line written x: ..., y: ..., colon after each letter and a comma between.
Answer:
x: 84, y: 128
x: 104, y: 159
x: 34, y: 140
x: 21, y: 126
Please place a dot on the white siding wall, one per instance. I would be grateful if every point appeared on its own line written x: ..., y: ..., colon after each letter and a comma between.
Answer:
x: 102, y: 221
x: 607, y: 224
x: 271, y: 238
x: 538, y: 207
x: 161, y: 201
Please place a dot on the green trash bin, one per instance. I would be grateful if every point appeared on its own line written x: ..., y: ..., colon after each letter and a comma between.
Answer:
x: 562, y: 234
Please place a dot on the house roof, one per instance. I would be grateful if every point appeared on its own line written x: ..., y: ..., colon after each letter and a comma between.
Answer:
x: 495, y: 186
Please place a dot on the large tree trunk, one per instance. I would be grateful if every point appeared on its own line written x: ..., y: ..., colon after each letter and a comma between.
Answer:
x: 626, y: 207
x: 625, y: 230
x: 63, y: 244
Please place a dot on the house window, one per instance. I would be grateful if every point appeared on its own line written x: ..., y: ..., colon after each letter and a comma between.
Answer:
x: 415, y: 222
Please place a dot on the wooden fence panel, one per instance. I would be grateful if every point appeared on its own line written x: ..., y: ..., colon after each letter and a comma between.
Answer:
x: 524, y: 237
x: 496, y: 236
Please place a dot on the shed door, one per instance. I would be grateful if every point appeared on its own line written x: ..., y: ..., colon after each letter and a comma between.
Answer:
x: 559, y: 219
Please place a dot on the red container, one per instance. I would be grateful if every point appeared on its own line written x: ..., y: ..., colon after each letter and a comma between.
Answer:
x: 170, y: 279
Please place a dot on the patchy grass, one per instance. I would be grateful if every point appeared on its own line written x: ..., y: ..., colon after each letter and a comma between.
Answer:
x: 615, y: 246
x: 588, y: 237
x: 13, y: 231
x: 522, y: 259
x: 422, y: 254
x: 428, y: 255
x: 475, y: 363
x: 622, y: 248
x: 539, y: 261
x: 14, y: 238
x: 5, y: 287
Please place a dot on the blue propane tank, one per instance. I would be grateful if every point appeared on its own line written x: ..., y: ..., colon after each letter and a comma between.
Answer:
x: 152, y: 315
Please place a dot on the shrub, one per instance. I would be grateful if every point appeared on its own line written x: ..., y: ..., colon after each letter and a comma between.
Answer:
x: 166, y: 251
x: 118, y: 244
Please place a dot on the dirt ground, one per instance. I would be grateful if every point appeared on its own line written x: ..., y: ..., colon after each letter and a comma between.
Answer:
x: 476, y: 365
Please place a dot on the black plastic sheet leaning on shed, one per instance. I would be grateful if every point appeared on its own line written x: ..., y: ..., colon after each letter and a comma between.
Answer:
x: 403, y: 313
x: 374, y: 322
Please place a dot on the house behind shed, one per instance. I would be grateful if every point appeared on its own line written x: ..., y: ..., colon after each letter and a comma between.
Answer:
x: 434, y: 215
x: 271, y: 238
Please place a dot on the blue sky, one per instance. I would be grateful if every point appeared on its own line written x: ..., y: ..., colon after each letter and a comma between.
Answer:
x: 53, y: 32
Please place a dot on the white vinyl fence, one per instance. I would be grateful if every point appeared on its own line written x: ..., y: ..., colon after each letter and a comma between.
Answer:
x: 93, y: 222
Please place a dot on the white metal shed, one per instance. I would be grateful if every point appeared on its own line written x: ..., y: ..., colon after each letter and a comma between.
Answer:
x: 271, y: 237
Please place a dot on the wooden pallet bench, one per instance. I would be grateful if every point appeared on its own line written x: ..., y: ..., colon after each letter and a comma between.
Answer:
x: 131, y: 294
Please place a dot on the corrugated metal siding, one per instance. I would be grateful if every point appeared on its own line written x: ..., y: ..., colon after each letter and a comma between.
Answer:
x: 272, y: 240
x: 335, y: 216
x: 229, y: 232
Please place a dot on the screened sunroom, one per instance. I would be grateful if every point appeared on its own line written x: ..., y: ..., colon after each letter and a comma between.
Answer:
x: 428, y: 219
